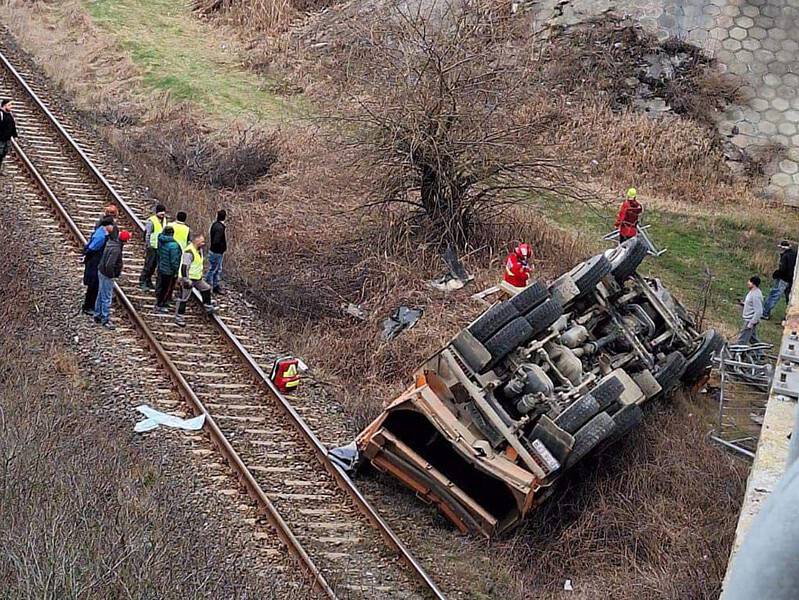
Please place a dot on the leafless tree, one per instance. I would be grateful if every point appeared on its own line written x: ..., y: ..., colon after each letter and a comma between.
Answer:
x: 448, y: 116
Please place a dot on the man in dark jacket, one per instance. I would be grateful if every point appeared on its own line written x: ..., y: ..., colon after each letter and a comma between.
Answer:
x: 110, y: 268
x: 8, y: 129
x: 169, y: 254
x: 92, y: 253
x: 782, y: 278
x: 217, y: 249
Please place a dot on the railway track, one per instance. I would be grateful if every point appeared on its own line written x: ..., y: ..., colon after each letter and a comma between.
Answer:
x: 341, y: 542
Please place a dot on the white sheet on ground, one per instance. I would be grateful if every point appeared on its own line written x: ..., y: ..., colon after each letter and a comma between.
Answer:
x: 155, y: 418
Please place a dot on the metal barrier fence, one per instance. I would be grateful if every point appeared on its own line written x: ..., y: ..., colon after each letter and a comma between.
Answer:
x: 745, y: 374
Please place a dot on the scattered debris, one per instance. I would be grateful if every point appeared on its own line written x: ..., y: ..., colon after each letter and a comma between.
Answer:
x: 347, y: 457
x: 447, y: 283
x: 567, y: 586
x: 354, y: 310
x: 456, y: 278
x: 402, y: 319
x: 156, y: 418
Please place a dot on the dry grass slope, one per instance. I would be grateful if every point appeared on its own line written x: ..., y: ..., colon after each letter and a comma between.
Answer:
x: 652, y: 518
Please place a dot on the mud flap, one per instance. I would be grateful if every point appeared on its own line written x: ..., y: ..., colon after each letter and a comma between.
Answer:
x: 556, y: 441
x: 648, y: 384
x: 632, y: 394
x: 471, y: 350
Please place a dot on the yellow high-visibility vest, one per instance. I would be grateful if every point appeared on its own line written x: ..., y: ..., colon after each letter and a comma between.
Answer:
x: 196, y: 268
x: 158, y: 227
x: 181, y: 233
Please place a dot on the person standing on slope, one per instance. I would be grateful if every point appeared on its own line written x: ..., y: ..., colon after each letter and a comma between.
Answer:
x: 518, y: 267
x: 629, y: 214
x: 217, y: 249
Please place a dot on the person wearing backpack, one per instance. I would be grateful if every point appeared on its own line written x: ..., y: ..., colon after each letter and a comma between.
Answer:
x: 109, y: 269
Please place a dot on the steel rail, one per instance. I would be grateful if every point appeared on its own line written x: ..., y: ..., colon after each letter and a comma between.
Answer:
x: 319, y: 449
x: 184, y: 390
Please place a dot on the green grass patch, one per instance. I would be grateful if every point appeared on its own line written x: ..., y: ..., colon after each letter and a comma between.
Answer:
x: 731, y: 248
x: 190, y: 60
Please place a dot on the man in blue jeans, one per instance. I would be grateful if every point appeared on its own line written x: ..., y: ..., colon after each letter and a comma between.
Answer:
x: 110, y: 268
x: 217, y: 249
x: 782, y: 278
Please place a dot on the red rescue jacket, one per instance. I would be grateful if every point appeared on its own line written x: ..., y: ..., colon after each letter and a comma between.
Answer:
x: 627, y: 221
x: 516, y: 272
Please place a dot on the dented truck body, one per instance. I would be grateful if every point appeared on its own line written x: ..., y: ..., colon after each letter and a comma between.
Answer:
x: 533, y: 386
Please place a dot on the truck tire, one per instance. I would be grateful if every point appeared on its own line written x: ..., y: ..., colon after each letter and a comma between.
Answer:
x: 670, y: 372
x: 589, y: 436
x: 607, y: 392
x: 494, y: 319
x: 625, y: 420
x: 530, y: 297
x: 591, y: 272
x: 700, y: 359
x: 544, y: 315
x: 507, y: 339
x: 578, y: 413
x: 631, y: 254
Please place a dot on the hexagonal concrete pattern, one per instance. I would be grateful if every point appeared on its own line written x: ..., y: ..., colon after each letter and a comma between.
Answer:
x: 757, y: 40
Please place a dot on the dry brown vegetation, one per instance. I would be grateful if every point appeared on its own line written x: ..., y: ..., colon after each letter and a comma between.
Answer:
x: 651, y: 518
x: 265, y: 16
x: 83, y: 511
x: 223, y: 159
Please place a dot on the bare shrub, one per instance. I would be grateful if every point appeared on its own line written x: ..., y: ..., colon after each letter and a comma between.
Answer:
x: 223, y: 159
x: 444, y: 118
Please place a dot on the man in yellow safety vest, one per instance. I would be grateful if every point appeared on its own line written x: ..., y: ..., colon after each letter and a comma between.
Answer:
x: 182, y: 233
x: 152, y: 229
x: 191, y: 277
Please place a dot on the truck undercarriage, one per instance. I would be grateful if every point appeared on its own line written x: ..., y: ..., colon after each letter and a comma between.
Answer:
x: 534, y: 385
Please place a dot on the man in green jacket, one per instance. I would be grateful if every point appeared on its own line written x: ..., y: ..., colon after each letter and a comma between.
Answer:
x: 169, y: 254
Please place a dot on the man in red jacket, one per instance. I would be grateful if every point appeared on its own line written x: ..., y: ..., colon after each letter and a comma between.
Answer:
x: 629, y: 213
x: 517, y: 266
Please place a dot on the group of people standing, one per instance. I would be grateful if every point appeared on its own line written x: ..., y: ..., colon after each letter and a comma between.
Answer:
x: 172, y: 250
x: 755, y: 309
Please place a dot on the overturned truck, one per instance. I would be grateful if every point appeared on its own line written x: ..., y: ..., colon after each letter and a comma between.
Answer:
x: 534, y: 385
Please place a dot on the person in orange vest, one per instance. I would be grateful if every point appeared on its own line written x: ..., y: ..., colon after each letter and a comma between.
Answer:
x: 518, y: 267
x: 629, y: 213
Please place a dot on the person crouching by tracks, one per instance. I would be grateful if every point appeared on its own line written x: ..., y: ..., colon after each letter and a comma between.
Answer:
x: 92, y: 253
x: 153, y: 227
x: 517, y: 269
x: 8, y: 129
x: 110, y: 268
x: 629, y: 213
x: 169, y: 257
x: 191, y: 276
